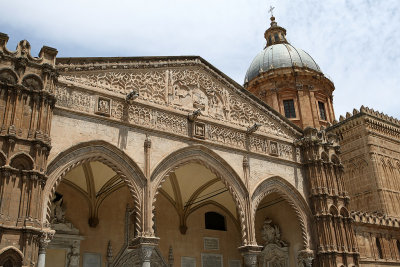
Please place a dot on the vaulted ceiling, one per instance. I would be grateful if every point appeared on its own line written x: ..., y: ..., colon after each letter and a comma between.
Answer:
x: 192, y: 186
x: 95, y: 181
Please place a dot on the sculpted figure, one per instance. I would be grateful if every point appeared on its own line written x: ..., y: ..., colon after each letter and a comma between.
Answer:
x: 58, y: 212
x: 271, y: 233
x: 73, y: 256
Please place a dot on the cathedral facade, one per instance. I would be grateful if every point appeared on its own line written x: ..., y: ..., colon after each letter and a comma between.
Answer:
x: 166, y: 161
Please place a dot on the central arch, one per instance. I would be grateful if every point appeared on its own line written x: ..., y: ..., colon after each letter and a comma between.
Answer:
x: 212, y: 161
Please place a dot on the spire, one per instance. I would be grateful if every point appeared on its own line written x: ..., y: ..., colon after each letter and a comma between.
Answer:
x: 275, y: 34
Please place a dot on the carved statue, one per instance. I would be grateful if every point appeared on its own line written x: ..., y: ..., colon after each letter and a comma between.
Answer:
x: 73, y: 256
x: 271, y: 234
x: 276, y: 251
x: 58, y: 212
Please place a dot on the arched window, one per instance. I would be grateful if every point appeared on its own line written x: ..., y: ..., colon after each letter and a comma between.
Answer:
x: 379, y: 248
x: 215, y: 221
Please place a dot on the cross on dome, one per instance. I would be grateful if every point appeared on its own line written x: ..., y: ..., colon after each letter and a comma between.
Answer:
x: 271, y: 10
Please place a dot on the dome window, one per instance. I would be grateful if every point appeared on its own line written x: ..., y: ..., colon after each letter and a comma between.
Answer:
x: 322, y: 111
x: 276, y: 37
x: 288, y: 106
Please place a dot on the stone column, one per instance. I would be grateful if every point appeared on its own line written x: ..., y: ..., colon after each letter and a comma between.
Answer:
x: 43, y: 243
x: 250, y: 254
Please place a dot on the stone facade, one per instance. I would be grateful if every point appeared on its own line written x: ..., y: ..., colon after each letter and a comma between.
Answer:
x: 165, y: 161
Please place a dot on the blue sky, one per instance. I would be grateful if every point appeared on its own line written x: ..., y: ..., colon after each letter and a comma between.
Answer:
x: 356, y: 43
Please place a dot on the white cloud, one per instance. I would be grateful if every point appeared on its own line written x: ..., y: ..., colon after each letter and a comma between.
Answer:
x: 355, y: 42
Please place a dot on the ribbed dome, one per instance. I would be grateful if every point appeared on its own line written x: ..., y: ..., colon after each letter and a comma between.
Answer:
x: 279, y: 56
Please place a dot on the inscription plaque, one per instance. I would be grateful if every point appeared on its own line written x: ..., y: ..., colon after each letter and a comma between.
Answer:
x: 91, y: 260
x: 211, y: 260
x: 188, y: 262
x: 211, y: 243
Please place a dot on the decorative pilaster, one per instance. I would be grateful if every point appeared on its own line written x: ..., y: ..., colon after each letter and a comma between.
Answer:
x: 329, y: 200
x: 27, y: 100
x: 148, y: 229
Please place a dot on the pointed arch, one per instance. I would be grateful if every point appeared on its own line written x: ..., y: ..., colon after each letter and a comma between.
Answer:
x: 215, y: 163
x: 286, y: 190
x: 333, y: 210
x: 22, y: 161
x: 11, y: 254
x: 344, y: 212
x: 96, y: 150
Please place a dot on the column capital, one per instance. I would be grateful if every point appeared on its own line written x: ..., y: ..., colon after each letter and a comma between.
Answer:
x: 144, y: 241
x: 250, y: 254
x: 44, y: 240
x: 305, y: 258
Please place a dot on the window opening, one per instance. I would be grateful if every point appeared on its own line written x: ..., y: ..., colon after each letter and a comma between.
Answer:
x: 288, y: 106
x: 276, y: 37
x: 215, y: 221
x: 379, y: 248
x: 322, y: 111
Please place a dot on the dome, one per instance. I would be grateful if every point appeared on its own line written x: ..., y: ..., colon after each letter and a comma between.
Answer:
x: 282, y: 55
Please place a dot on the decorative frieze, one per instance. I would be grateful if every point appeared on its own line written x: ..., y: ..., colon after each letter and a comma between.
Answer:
x: 176, y: 123
x: 182, y: 89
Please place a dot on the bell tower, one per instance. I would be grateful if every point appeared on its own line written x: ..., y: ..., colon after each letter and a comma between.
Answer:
x: 290, y: 81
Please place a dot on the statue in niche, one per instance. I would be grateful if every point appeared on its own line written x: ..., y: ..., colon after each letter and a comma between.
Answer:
x: 73, y: 256
x: 271, y: 233
x: 58, y: 209
x: 276, y: 251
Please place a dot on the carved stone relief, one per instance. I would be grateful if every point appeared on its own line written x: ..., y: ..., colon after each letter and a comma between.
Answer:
x: 183, y: 89
x: 103, y: 106
x: 200, y: 92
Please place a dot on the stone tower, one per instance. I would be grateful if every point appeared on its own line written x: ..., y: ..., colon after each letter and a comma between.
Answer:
x: 290, y: 81
x: 329, y: 201
x: 26, y: 106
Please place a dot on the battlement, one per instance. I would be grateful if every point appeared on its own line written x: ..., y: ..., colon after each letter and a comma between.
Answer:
x: 367, y: 111
x: 375, y: 219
